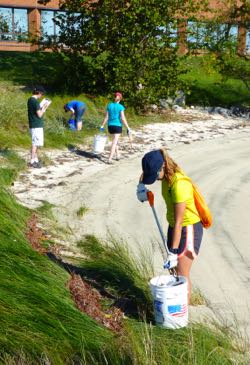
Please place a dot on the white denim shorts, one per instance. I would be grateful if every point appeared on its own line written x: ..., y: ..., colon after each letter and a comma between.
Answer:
x: 37, y: 138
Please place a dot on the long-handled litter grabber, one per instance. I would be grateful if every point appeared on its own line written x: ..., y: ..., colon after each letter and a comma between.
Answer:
x: 130, y: 139
x: 150, y: 196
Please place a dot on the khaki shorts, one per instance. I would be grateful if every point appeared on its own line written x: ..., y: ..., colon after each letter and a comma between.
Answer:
x: 37, y: 138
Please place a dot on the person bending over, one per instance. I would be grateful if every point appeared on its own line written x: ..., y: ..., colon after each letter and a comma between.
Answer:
x: 185, y: 229
x: 77, y: 109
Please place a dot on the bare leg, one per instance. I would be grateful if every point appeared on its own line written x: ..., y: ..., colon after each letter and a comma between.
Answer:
x: 113, y: 146
x: 79, y: 126
x: 34, y: 156
x: 183, y: 269
x: 117, y: 152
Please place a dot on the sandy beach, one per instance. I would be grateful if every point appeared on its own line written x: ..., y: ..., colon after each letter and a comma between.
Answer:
x: 213, y: 150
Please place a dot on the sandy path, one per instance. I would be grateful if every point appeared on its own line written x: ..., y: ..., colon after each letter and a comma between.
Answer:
x: 220, y: 166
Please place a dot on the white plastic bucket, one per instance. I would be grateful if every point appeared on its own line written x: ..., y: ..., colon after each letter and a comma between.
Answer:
x: 99, y: 143
x: 170, y: 301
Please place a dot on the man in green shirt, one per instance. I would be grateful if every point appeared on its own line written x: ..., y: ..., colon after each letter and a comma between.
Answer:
x: 36, y: 124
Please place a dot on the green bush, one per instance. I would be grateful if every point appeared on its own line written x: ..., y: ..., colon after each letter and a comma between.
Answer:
x: 208, y: 86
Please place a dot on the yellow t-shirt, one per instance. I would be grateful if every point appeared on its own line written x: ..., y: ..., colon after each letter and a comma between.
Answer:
x: 180, y: 191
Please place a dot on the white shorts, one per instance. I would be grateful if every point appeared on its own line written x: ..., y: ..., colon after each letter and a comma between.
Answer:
x: 37, y: 138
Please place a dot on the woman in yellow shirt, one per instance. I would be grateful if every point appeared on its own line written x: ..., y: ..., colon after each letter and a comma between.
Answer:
x: 185, y: 229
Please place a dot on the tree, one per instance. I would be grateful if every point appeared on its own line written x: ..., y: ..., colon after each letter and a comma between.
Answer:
x: 128, y: 45
x: 223, y: 41
x: 212, y: 36
x: 235, y: 67
x: 4, y: 27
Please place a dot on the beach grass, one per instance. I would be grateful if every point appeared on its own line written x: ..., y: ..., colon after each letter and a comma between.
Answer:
x: 10, y: 165
x: 37, y: 314
x: 112, y: 264
x: 81, y: 211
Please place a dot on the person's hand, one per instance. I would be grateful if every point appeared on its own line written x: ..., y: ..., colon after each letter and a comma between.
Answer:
x: 141, y: 192
x: 102, y: 129
x: 171, y: 262
x: 128, y: 131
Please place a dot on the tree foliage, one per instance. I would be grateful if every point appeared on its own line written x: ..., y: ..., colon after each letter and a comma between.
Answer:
x: 220, y: 38
x: 125, y: 45
x: 235, y: 67
x: 212, y: 36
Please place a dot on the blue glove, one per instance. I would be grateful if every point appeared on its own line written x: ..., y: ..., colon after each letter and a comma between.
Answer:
x: 102, y: 129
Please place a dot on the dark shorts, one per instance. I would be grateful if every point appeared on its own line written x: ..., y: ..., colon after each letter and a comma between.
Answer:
x: 79, y: 113
x: 113, y: 129
x: 190, y: 241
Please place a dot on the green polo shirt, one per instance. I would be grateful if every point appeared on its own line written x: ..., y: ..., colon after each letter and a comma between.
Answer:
x: 33, y: 106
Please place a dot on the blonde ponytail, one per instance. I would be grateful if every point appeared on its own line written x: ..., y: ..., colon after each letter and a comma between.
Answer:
x: 170, y: 167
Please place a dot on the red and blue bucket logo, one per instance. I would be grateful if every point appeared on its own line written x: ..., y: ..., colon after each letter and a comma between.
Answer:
x: 178, y: 310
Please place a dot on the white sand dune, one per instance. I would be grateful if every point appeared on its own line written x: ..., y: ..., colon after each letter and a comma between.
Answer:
x: 214, y: 152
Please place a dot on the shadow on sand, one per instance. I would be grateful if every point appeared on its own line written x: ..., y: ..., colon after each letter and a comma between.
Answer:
x: 85, y: 154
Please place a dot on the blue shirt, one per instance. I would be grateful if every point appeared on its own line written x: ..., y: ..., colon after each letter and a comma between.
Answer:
x: 75, y: 104
x: 114, y: 110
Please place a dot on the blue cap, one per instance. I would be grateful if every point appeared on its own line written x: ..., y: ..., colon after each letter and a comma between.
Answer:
x: 151, y: 164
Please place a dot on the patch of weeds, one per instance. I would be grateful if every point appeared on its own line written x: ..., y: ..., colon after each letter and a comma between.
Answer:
x: 81, y: 211
x: 7, y: 176
x: 197, y: 298
x: 116, y: 268
x: 46, y: 209
x: 106, y: 303
x: 46, y: 244
x: 45, y: 159
x: 12, y: 165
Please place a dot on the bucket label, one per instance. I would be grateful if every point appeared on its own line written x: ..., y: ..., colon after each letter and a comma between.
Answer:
x: 178, y: 310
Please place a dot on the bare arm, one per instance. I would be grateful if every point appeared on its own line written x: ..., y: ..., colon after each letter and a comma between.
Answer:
x: 105, y: 119
x: 41, y: 111
x: 179, y: 209
x: 124, y: 120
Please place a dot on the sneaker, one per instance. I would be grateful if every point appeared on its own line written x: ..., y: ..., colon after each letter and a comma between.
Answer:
x: 36, y: 165
x: 108, y: 162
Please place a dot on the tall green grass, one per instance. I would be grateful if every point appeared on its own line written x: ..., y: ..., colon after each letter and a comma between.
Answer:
x: 190, y: 346
x: 10, y: 165
x: 113, y: 265
x: 14, y: 130
x: 38, y: 317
